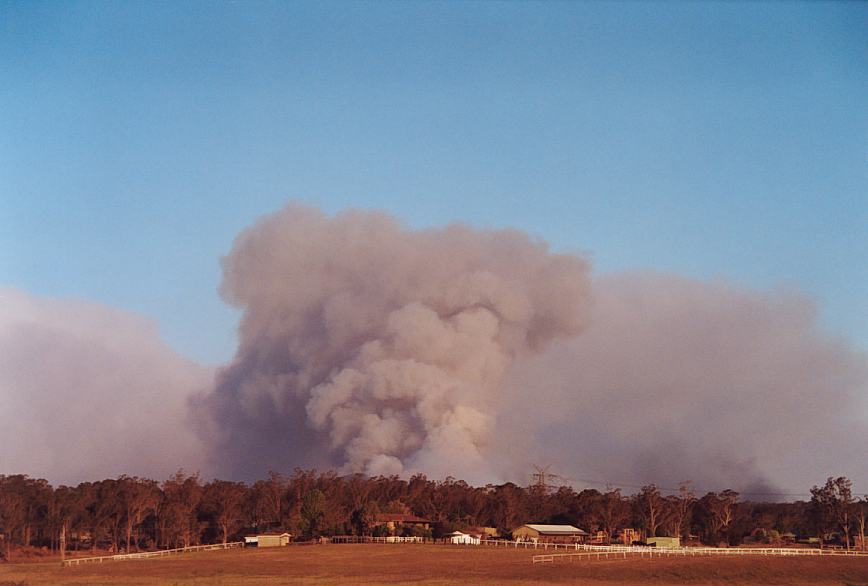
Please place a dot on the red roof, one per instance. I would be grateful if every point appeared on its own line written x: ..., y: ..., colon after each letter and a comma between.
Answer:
x: 399, y: 518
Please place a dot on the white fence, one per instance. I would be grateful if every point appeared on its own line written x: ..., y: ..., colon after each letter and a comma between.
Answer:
x: 387, y: 539
x: 151, y: 554
x: 622, y: 552
x: 586, y: 551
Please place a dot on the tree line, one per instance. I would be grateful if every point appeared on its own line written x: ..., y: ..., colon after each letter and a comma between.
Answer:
x: 131, y: 513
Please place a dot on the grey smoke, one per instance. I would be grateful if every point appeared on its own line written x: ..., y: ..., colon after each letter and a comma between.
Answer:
x: 371, y: 347
x: 677, y: 379
x: 88, y: 392
x: 368, y: 346
x: 378, y: 349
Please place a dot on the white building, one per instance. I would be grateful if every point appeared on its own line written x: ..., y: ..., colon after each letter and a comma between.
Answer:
x: 463, y: 538
x: 267, y: 540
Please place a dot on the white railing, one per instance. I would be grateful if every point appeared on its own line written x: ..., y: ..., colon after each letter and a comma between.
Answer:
x: 151, y: 554
x: 621, y: 552
x: 387, y: 539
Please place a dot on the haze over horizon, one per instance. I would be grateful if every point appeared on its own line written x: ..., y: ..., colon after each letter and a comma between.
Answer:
x: 661, y: 211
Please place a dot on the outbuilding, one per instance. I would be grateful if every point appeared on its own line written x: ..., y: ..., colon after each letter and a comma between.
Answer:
x: 668, y: 542
x: 460, y: 538
x: 549, y: 533
x: 268, y: 540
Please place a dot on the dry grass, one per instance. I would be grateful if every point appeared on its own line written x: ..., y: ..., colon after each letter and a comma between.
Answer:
x: 371, y: 564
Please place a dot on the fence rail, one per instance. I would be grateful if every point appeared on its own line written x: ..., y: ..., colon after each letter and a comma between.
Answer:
x: 572, y: 551
x: 151, y: 554
x: 591, y: 551
x: 635, y: 548
x: 622, y: 552
x: 387, y: 539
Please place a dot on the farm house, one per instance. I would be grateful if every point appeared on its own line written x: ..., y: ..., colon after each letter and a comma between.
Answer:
x: 549, y: 533
x: 396, y: 522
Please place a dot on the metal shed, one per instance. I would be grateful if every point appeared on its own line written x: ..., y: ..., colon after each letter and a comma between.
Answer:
x: 268, y: 540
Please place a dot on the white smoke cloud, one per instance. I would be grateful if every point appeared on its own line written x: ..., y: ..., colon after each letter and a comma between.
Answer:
x: 87, y: 392
x: 388, y: 346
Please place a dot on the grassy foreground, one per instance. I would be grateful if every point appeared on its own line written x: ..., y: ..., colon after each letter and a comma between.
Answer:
x: 432, y: 564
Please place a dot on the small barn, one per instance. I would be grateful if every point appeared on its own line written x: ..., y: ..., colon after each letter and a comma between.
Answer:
x: 549, y: 533
x: 668, y: 542
x: 267, y: 540
x: 457, y: 537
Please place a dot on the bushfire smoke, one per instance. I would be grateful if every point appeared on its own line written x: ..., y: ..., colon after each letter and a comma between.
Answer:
x: 381, y: 349
x: 87, y: 391
x: 372, y: 347
x: 677, y: 379
x: 368, y: 346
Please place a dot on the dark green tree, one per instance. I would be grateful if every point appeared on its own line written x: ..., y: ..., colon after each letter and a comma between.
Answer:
x: 313, y: 507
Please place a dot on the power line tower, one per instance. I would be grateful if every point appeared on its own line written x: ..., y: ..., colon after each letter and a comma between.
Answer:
x: 544, y: 480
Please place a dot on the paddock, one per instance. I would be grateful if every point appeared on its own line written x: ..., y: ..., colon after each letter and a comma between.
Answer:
x: 378, y: 563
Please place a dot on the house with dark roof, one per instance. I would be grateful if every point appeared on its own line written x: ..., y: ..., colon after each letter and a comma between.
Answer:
x: 397, y: 522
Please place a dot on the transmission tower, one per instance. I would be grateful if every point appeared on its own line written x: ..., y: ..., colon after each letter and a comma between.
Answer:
x: 544, y: 480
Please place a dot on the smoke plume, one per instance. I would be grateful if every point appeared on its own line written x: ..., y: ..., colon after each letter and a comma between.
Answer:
x: 367, y: 346
x: 677, y: 380
x: 87, y: 392
x: 372, y: 347
x: 380, y: 349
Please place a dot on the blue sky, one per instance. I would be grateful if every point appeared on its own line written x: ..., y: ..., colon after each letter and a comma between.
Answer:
x: 714, y: 140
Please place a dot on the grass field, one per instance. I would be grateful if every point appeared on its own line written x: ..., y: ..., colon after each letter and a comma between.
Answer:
x: 432, y: 564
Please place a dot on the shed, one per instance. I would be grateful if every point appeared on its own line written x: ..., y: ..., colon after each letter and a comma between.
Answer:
x: 663, y: 542
x: 549, y: 533
x: 463, y: 538
x: 268, y: 540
